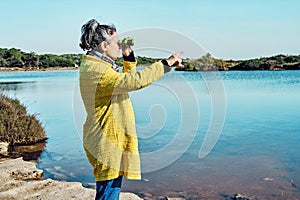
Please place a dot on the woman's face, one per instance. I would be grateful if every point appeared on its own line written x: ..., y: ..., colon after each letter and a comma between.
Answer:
x: 112, y: 49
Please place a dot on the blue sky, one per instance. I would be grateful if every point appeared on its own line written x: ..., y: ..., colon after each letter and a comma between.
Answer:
x: 237, y: 29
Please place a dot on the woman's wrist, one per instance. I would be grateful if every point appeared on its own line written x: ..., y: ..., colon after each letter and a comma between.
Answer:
x: 165, y: 62
x: 167, y: 68
x: 130, y: 57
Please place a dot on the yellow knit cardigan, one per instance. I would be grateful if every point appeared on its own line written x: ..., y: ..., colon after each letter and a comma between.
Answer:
x: 109, y: 132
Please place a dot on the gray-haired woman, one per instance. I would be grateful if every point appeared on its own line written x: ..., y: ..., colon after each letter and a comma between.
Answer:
x: 109, y: 137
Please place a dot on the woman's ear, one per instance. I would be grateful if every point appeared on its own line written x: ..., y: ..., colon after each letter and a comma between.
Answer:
x: 103, y: 46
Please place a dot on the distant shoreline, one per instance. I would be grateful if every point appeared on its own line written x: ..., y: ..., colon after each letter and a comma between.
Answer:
x: 205, y: 63
x: 50, y: 69
x: 16, y: 60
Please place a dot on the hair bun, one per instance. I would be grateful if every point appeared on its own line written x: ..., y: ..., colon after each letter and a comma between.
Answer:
x: 95, y: 25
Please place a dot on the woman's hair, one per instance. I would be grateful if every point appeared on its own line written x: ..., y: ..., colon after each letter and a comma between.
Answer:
x: 92, y: 34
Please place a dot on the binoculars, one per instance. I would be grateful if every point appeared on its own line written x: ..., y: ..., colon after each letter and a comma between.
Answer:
x: 127, y: 41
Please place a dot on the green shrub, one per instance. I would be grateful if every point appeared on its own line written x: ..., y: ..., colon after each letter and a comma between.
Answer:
x: 16, y: 125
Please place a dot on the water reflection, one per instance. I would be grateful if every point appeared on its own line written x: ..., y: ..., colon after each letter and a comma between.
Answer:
x: 13, y: 85
x: 28, y: 152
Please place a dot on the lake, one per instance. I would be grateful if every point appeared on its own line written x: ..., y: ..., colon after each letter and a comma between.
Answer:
x: 201, y: 135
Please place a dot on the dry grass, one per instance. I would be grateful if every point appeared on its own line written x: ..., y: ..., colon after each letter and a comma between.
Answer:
x: 16, y: 125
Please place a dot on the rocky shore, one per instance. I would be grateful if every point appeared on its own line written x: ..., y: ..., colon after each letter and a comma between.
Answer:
x: 22, y: 180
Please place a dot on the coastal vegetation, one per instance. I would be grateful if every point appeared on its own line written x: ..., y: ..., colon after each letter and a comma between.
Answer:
x: 17, y: 127
x: 17, y: 59
x: 12, y: 59
x: 208, y: 63
x: 278, y: 62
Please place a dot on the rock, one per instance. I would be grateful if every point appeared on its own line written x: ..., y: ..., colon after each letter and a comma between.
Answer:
x: 27, y: 152
x: 268, y: 179
x: 236, y: 197
x: 162, y: 198
x: 146, y: 195
x: 19, y: 169
x: 293, y: 183
x: 46, y: 189
x: 89, y: 185
x: 12, y: 185
x: 176, y: 199
x: 129, y: 196
x: 4, y: 148
x: 240, y: 197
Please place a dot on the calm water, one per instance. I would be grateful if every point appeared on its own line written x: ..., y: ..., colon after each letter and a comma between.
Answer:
x: 257, y: 153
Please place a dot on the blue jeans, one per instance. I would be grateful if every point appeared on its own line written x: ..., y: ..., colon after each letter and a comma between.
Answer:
x: 109, y: 190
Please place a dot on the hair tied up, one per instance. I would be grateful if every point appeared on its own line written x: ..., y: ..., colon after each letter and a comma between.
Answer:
x: 95, y: 25
x: 92, y: 34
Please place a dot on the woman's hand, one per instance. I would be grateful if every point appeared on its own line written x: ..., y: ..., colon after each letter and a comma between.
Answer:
x: 175, y: 59
x: 126, y: 49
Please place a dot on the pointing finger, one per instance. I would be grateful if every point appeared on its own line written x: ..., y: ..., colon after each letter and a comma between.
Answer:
x: 179, y: 53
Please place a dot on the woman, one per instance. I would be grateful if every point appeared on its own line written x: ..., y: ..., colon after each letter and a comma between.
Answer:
x: 110, y: 139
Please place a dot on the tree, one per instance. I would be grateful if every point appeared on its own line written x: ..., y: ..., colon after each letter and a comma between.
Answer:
x: 3, y: 62
x: 31, y: 60
x: 14, y: 57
